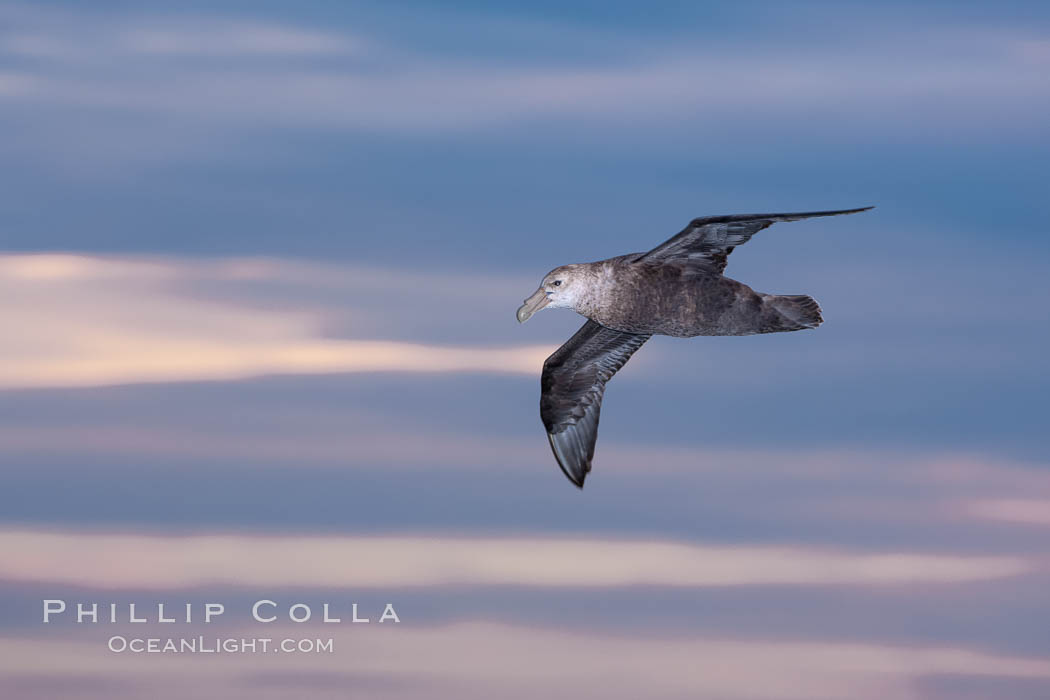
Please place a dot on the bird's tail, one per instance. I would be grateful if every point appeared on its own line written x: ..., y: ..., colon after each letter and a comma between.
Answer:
x: 798, y: 310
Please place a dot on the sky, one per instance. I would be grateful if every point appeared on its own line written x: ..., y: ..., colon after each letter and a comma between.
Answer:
x: 259, y: 264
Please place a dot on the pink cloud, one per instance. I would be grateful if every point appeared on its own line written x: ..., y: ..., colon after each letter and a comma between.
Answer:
x: 477, y: 659
x: 127, y: 561
x: 89, y: 321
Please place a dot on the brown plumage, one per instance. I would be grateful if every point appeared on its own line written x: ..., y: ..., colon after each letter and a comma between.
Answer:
x: 675, y: 289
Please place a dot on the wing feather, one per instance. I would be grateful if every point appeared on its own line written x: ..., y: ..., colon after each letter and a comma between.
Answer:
x: 572, y: 385
x: 709, y: 240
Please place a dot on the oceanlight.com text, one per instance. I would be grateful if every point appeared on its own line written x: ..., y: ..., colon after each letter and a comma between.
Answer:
x: 218, y: 645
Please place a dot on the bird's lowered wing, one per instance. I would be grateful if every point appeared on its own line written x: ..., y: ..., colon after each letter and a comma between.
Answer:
x: 708, y: 241
x: 572, y: 385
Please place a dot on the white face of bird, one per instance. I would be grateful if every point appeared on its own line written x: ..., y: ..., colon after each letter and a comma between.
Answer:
x: 558, y: 290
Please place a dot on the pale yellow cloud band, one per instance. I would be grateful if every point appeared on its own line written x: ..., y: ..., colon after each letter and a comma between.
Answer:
x: 109, y: 357
x: 80, y: 321
x: 122, y: 561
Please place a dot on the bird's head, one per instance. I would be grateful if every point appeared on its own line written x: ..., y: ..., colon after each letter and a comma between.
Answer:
x: 560, y: 289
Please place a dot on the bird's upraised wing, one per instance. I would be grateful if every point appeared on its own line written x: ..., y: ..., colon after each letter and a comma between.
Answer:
x: 572, y: 385
x: 709, y: 240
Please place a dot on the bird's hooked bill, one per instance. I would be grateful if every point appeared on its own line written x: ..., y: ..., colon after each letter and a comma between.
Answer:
x: 533, y: 304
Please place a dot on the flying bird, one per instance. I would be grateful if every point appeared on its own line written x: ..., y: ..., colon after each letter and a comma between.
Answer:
x: 675, y: 289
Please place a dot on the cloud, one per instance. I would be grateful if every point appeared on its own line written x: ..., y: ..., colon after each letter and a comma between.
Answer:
x: 1018, y: 510
x: 957, y: 78
x: 477, y: 659
x: 122, y: 561
x: 460, y: 97
x: 211, y: 38
x: 59, y: 37
x: 87, y: 321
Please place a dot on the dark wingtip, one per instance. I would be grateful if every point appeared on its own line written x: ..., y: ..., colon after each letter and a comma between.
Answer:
x: 577, y: 482
x: 839, y: 212
x: 831, y: 212
x: 773, y: 217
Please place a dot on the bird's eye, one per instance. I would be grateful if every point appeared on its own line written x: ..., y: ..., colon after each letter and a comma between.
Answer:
x: 557, y: 283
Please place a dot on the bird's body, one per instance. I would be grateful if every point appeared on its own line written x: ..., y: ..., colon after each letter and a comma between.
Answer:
x: 682, y: 300
x: 675, y: 289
